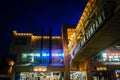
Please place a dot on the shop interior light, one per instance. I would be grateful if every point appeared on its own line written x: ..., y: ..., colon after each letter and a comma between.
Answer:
x: 24, y: 55
x: 37, y: 54
x: 40, y: 68
x: 45, y: 54
x: 31, y: 54
x: 55, y: 54
x: 104, y: 54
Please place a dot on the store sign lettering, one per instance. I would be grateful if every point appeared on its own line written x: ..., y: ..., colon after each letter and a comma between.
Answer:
x: 94, y: 27
x: 96, y: 24
x: 40, y: 68
x: 111, y: 57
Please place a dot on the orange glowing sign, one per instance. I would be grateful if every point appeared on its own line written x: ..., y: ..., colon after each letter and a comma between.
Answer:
x: 40, y: 68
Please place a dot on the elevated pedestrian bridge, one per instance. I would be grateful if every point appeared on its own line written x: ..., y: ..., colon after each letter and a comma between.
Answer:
x: 100, y: 34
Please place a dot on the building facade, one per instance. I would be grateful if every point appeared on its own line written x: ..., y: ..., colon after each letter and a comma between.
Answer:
x: 37, y: 57
x: 106, y: 64
x: 88, y: 51
x: 97, y: 30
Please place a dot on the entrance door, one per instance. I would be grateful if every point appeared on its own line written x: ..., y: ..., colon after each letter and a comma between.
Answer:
x: 42, y: 75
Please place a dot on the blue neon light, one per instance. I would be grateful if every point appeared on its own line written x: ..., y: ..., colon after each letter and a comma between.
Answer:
x: 54, y: 53
x: 44, y: 54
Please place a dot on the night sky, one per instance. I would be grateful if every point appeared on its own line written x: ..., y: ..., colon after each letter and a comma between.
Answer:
x: 31, y: 15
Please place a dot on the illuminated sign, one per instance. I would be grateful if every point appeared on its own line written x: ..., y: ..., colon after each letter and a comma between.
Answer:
x: 57, y: 57
x: 30, y: 57
x: 93, y: 27
x: 40, y: 68
x: 45, y: 57
x: 98, y: 21
x: 111, y: 63
x: 101, y: 68
x: 110, y: 57
x: 45, y: 52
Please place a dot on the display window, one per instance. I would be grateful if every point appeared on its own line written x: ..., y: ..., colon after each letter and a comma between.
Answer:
x: 57, y: 57
x: 77, y: 75
x: 41, y: 76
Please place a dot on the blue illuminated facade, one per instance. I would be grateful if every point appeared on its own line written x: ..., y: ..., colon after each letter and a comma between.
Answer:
x: 34, y: 57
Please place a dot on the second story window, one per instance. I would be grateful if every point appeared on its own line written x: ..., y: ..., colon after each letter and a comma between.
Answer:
x: 30, y: 57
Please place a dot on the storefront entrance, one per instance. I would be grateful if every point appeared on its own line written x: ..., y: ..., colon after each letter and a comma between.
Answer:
x: 40, y: 76
x: 78, y: 75
x: 103, y: 75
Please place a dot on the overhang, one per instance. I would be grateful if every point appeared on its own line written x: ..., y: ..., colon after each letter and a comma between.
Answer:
x: 108, y: 34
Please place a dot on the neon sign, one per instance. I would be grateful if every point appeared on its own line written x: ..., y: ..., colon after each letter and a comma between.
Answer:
x: 110, y: 57
x: 40, y: 68
x: 45, y: 53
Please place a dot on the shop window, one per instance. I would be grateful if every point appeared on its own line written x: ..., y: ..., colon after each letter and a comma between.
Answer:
x: 30, y: 57
x: 45, y: 56
x: 57, y: 57
x: 109, y: 57
x: 77, y: 75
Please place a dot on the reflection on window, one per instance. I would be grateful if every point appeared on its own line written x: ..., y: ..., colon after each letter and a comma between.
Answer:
x: 30, y: 57
x: 45, y: 56
x: 57, y: 57
x: 78, y: 75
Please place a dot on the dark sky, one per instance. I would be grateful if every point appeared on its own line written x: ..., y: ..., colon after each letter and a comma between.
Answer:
x: 31, y: 15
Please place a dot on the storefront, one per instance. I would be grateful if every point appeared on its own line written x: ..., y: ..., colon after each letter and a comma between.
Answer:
x: 102, y: 75
x: 39, y: 72
x: 107, y: 64
x: 78, y: 75
x: 36, y: 65
x: 41, y: 75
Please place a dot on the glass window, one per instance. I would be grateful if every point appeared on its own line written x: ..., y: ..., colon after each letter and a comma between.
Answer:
x: 24, y: 57
x: 45, y: 56
x: 30, y: 57
x: 57, y: 57
x: 36, y: 57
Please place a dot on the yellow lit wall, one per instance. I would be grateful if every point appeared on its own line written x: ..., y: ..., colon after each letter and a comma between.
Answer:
x: 70, y: 31
x: 85, y: 19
